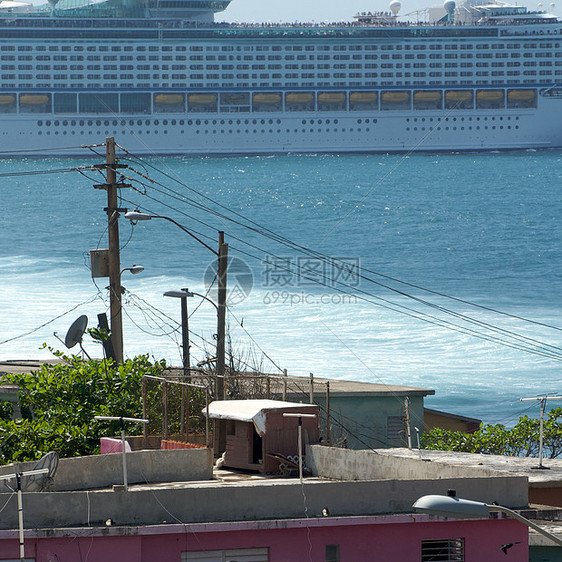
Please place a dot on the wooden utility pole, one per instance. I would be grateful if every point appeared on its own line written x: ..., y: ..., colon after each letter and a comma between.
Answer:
x: 222, y: 267
x: 408, y: 430
x: 114, y: 256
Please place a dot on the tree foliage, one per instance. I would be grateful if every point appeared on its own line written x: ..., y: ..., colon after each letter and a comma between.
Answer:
x: 59, y: 403
x: 520, y: 440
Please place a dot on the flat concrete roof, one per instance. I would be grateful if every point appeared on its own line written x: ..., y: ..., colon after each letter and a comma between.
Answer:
x: 510, y: 466
x: 338, y: 387
x: 23, y: 365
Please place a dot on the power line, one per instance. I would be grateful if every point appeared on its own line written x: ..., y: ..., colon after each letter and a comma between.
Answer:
x: 519, y: 340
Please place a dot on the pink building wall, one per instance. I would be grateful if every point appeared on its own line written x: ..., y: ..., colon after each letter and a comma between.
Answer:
x: 370, y: 538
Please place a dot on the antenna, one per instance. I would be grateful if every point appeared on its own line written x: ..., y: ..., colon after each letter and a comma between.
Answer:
x: 75, y: 333
x: 124, y: 452
x: 542, y: 400
x: 18, y: 476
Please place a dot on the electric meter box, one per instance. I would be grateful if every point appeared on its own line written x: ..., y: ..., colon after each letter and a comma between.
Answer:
x: 99, y: 263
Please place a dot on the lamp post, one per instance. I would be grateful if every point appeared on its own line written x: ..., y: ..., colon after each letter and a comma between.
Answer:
x: 222, y: 266
x: 451, y: 506
x: 183, y: 294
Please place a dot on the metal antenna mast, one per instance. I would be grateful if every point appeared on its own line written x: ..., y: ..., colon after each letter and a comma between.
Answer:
x: 122, y: 420
x: 542, y: 400
x: 18, y: 476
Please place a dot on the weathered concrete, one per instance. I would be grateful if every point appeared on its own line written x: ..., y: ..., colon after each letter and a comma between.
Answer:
x: 103, y: 471
x: 520, y: 466
x: 342, y: 464
x: 265, y: 500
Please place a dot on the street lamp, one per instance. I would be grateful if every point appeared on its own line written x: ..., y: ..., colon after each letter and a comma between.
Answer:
x: 134, y: 269
x: 451, y: 506
x: 183, y: 294
x: 222, y: 265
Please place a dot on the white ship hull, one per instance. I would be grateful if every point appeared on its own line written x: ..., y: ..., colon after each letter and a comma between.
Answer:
x: 278, y: 132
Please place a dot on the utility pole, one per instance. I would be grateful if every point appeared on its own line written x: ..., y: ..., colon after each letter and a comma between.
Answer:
x: 222, y: 267
x: 408, y: 430
x: 114, y: 256
x: 185, y: 390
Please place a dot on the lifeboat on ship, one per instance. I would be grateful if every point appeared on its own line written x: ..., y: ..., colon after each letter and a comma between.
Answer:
x: 267, y: 99
x: 427, y: 100
x: 395, y: 100
x: 7, y: 99
x: 299, y: 98
x: 168, y: 99
x: 363, y: 97
x: 34, y: 99
x: 332, y: 98
x: 454, y: 96
x: 202, y: 99
x: 489, y: 95
x: 427, y: 97
x: 521, y: 95
x: 395, y: 97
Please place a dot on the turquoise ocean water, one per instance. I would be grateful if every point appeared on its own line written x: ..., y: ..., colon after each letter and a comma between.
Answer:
x: 482, y: 228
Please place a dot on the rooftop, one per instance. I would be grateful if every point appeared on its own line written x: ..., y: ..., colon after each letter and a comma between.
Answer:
x: 516, y: 466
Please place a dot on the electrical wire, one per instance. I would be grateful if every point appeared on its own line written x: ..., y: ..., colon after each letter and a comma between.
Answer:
x: 36, y: 329
x: 345, y: 268
x: 274, y: 236
x: 416, y: 313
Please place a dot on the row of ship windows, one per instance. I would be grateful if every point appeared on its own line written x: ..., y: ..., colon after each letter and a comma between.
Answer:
x: 209, y: 75
x: 295, y: 48
x: 157, y: 78
x: 261, y: 59
x: 302, y: 67
x: 246, y: 102
x: 231, y: 122
x: 214, y: 132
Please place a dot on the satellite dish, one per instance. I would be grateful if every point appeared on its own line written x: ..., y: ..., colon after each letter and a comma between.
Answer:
x: 76, y: 331
x: 450, y: 6
x: 395, y: 7
x: 38, y: 482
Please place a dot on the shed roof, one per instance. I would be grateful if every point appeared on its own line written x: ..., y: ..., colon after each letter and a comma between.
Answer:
x: 254, y: 410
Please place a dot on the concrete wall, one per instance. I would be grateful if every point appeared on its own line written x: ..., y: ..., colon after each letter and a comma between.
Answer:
x: 360, y: 421
x: 365, y: 539
x: 246, y: 501
x: 343, y: 464
x: 103, y: 471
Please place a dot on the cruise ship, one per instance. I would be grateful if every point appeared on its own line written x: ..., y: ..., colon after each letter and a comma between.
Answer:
x: 162, y: 77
